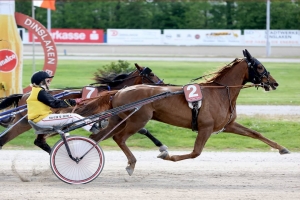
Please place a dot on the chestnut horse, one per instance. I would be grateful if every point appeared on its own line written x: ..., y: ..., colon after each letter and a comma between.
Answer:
x: 217, y: 113
x: 112, y: 81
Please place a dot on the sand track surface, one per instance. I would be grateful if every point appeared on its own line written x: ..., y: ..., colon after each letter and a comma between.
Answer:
x: 26, y: 174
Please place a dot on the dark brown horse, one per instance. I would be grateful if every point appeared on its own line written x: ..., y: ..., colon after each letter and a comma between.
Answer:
x: 110, y: 82
x: 217, y: 113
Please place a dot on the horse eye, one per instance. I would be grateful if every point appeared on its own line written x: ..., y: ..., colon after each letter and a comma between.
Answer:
x: 260, y: 67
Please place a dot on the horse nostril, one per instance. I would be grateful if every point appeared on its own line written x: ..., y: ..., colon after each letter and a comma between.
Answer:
x: 276, y: 84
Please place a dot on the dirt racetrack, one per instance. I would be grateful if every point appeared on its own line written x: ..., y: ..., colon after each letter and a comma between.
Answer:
x: 26, y: 175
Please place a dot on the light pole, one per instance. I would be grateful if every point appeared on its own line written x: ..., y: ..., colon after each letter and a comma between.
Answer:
x: 268, y: 47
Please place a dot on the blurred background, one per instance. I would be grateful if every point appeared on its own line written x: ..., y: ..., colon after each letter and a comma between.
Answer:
x: 196, y: 26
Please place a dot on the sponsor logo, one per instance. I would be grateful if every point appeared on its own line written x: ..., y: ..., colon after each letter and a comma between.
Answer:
x: 219, y: 34
x: 114, y: 32
x: 8, y: 60
x: 197, y: 36
x: 65, y: 35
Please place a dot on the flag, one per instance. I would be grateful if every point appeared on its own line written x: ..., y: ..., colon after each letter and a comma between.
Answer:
x: 45, y: 4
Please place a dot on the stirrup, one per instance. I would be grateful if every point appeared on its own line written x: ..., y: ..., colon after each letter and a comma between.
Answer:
x: 41, y: 129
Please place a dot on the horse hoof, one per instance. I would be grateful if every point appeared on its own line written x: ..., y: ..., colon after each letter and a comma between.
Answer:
x: 129, y: 170
x: 163, y: 148
x: 284, y: 151
x: 163, y: 155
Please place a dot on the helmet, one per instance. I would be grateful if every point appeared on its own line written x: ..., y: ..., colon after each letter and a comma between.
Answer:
x: 39, y: 76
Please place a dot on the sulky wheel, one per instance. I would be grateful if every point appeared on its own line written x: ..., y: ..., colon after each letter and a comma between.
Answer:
x: 86, y: 169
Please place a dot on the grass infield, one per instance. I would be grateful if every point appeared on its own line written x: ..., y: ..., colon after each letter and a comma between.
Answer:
x: 282, y: 129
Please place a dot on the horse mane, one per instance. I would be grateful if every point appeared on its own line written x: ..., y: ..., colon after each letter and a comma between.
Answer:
x: 111, y: 79
x: 223, y: 69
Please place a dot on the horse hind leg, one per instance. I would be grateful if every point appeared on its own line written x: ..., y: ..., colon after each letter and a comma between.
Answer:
x: 241, y: 130
x: 162, y: 148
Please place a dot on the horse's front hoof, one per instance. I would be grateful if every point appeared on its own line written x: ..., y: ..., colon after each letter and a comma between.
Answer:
x: 129, y: 170
x: 163, y: 155
x: 284, y: 151
x: 163, y: 148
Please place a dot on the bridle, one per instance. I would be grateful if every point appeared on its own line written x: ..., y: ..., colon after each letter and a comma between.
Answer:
x: 255, y: 76
x: 146, y: 73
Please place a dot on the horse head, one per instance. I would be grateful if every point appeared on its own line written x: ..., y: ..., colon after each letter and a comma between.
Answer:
x: 117, y: 81
x: 258, y: 74
x: 147, y: 75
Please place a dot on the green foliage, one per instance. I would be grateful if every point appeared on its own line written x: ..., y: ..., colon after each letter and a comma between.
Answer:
x: 140, y: 14
x: 115, y: 68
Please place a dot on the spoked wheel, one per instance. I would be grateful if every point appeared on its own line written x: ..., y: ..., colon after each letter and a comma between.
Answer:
x: 83, y: 171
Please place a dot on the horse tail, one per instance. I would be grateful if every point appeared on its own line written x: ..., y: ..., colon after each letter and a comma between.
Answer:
x: 10, y: 101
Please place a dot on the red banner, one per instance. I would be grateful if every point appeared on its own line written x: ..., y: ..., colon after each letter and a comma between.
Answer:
x: 75, y: 36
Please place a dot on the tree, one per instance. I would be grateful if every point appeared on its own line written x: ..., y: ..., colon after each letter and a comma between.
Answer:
x: 159, y: 14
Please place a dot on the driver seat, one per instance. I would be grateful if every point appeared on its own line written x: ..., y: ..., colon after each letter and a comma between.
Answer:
x: 41, y: 129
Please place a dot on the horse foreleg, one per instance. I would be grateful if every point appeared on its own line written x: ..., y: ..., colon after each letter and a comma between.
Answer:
x: 241, y: 130
x: 40, y: 141
x: 117, y: 133
x: 120, y: 139
x: 157, y: 143
x: 201, y: 140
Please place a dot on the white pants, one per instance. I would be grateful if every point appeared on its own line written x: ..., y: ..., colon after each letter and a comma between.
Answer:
x: 62, y: 119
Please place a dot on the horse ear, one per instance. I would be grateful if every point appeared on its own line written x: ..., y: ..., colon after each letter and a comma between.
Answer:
x: 248, y: 54
x: 244, y: 53
x: 138, y: 67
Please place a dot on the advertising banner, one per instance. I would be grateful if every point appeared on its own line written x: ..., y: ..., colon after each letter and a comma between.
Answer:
x: 276, y: 37
x: 201, y: 37
x: 75, y: 36
x: 42, y: 34
x: 134, y: 36
x: 11, y: 51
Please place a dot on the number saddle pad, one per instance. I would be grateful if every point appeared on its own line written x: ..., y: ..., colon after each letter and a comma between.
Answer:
x: 192, y: 94
x: 89, y: 92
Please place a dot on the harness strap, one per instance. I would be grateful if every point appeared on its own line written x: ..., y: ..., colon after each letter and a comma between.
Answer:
x: 195, y: 116
x: 231, y: 108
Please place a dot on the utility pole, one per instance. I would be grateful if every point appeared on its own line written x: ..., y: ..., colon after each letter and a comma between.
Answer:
x: 268, y: 47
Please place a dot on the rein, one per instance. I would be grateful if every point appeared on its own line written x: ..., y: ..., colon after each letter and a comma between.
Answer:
x: 195, y: 79
x: 232, y: 86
